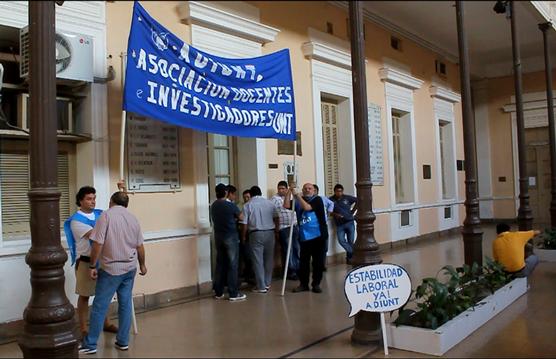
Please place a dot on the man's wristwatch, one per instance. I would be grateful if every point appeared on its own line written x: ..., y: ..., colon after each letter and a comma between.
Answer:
x: 92, y: 266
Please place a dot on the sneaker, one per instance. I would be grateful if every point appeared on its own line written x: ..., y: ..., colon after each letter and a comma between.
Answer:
x: 238, y: 297
x: 316, y: 289
x: 221, y: 296
x: 301, y: 288
x: 85, y: 350
x: 120, y: 346
x: 262, y: 291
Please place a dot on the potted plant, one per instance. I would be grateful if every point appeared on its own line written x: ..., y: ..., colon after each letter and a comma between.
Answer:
x: 445, y: 311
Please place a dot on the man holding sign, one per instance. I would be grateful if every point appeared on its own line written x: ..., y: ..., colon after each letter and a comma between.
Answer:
x: 313, y: 231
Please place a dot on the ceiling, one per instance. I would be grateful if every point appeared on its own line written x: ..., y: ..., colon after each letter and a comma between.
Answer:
x: 433, y: 23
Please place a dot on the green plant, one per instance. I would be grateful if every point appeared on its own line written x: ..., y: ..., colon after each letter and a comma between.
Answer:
x: 494, y: 275
x: 549, y: 238
x: 437, y: 302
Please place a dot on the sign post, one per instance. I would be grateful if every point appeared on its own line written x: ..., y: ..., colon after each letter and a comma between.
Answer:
x: 377, y: 288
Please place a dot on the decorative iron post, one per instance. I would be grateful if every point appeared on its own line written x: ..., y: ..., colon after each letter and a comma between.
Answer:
x: 472, y: 232
x: 524, y: 213
x: 551, y: 127
x: 50, y: 329
x: 365, y: 249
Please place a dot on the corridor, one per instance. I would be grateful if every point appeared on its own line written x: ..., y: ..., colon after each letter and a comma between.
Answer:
x: 306, y: 324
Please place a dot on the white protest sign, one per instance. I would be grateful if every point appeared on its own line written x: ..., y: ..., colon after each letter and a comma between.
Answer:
x: 377, y: 288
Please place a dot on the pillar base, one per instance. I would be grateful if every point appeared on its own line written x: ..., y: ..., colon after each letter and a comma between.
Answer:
x: 367, y: 329
x: 473, y: 246
x: 59, y: 340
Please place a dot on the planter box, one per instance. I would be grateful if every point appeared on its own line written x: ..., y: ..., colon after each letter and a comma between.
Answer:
x: 439, y: 341
x: 546, y: 255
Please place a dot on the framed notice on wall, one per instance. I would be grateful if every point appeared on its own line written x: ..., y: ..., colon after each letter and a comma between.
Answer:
x: 375, y: 144
x: 153, y: 163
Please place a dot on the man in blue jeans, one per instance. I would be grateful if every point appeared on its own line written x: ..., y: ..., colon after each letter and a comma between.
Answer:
x: 225, y: 214
x: 118, y: 244
x: 344, y: 208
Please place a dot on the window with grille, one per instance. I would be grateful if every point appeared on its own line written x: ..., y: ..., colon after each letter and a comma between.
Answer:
x: 220, y: 155
x: 14, y: 185
x: 329, y: 113
x: 402, y: 156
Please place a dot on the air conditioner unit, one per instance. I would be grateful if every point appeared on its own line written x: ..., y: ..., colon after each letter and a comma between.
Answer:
x: 74, y: 56
x: 64, y: 112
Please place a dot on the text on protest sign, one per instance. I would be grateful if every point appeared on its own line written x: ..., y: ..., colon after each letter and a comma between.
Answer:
x: 171, y: 81
x: 377, y: 288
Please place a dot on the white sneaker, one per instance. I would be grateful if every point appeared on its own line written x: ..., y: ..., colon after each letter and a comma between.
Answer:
x: 85, y: 350
x: 238, y: 297
x: 222, y: 296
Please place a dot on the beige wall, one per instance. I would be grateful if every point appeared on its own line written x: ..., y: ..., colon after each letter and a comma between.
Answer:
x: 291, y: 19
x: 179, y: 207
x: 500, y: 91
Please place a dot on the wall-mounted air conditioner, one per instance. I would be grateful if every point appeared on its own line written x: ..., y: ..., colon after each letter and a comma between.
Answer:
x: 64, y: 111
x: 74, y: 56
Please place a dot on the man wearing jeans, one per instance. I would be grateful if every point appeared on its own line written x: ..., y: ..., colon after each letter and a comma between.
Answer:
x: 343, y: 215
x: 118, y: 245
x: 225, y: 214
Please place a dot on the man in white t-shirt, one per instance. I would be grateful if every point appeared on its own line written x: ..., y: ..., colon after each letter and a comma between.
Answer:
x: 80, y: 226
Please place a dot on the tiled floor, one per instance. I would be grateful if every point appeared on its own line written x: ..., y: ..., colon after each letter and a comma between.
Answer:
x: 316, y: 325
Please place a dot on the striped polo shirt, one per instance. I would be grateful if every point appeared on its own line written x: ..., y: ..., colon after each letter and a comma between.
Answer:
x: 120, y: 234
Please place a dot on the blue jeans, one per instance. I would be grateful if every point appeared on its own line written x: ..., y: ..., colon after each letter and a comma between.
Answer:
x: 346, y: 234
x: 284, y: 235
x: 227, y: 259
x: 107, y: 285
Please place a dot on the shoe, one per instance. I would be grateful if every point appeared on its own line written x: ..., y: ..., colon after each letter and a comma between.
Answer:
x: 316, y: 289
x: 238, y: 297
x: 301, y: 288
x: 85, y: 350
x: 221, y: 296
x: 110, y: 328
x: 262, y: 291
x: 120, y: 346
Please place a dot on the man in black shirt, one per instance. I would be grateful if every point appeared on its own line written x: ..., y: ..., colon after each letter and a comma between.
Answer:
x: 224, y: 215
x: 312, y: 233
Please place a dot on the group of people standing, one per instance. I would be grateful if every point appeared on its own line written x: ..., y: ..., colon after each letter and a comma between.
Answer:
x: 251, y: 233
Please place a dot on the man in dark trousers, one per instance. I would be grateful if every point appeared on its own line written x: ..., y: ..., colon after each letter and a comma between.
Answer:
x: 312, y: 234
x: 224, y: 215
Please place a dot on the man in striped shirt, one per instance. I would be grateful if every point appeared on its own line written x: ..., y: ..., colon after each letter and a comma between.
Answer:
x: 118, y: 244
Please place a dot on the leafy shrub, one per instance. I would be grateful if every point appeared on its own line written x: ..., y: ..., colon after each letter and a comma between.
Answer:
x: 438, y: 302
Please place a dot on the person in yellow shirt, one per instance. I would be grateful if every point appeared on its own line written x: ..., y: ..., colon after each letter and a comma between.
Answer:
x: 509, y: 249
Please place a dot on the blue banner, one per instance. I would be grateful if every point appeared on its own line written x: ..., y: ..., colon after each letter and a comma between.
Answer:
x: 171, y: 81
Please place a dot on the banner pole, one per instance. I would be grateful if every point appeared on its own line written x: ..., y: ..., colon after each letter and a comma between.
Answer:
x: 123, y: 57
x: 286, y: 265
x: 384, y: 338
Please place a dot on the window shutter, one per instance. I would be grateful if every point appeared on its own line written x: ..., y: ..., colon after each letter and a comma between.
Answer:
x: 14, y: 178
x: 330, y: 141
x: 14, y: 185
x: 63, y: 187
